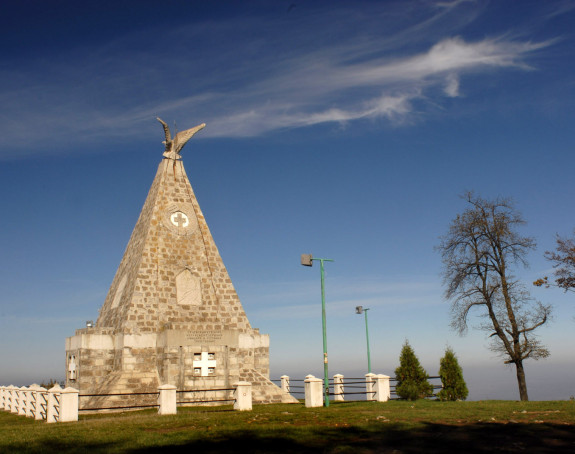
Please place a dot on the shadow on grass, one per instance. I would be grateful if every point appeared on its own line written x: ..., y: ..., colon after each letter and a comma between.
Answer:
x: 427, y: 438
x: 381, y: 438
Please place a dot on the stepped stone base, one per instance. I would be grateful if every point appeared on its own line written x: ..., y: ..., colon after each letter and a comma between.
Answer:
x: 108, y: 363
x: 265, y: 391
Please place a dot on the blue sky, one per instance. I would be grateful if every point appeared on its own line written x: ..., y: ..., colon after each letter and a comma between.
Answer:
x: 343, y: 129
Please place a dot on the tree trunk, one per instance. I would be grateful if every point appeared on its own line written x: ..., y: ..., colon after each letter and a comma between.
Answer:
x: 521, y: 380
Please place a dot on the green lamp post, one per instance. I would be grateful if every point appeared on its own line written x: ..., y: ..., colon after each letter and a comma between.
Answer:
x: 307, y: 260
x: 360, y: 310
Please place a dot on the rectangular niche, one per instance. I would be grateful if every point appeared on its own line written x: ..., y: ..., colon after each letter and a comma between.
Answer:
x: 188, y: 288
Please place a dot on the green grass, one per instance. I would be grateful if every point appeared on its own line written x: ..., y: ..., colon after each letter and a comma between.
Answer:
x: 359, y: 427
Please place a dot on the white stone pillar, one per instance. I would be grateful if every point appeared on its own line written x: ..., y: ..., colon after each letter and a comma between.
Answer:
x: 285, y: 388
x: 2, y: 397
x: 285, y: 383
x: 53, y: 410
x: 40, y: 402
x: 243, y: 396
x: 382, y: 390
x: 28, y: 396
x: 69, y: 404
x: 23, y: 400
x: 313, y: 391
x: 370, y: 386
x: 338, y: 388
x: 13, y: 397
x: 167, y: 400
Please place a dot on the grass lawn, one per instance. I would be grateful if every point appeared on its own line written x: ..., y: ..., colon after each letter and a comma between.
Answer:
x: 358, y: 427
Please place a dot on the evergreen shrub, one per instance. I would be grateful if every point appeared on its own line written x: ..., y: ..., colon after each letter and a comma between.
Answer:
x: 412, y: 380
x: 454, y: 387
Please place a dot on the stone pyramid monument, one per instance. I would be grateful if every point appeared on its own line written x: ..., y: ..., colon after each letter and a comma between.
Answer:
x: 172, y: 315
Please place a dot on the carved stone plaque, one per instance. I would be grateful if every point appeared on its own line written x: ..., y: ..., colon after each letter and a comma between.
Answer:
x: 188, y: 288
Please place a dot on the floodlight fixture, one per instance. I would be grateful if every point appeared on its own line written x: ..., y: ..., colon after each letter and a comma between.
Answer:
x: 306, y: 259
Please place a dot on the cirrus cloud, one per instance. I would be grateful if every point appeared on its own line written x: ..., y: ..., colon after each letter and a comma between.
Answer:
x: 241, y: 87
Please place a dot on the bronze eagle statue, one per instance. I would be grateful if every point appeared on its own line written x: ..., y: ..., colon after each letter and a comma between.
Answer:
x: 175, y: 145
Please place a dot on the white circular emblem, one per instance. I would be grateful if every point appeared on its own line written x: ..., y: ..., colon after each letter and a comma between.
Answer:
x: 179, y: 219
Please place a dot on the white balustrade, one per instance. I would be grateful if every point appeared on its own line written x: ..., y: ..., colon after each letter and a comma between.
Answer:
x: 381, y: 388
x: 53, y: 410
x: 369, y: 386
x: 28, y: 396
x: 167, y: 400
x: 2, y: 397
x: 338, y: 391
x: 69, y: 404
x: 243, y: 396
x: 22, y: 400
x: 41, y: 402
x: 313, y: 391
x: 13, y: 396
x: 61, y: 405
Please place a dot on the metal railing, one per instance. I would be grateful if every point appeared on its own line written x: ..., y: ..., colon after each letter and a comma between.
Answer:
x: 121, y: 407
x: 358, y: 386
x: 203, y: 400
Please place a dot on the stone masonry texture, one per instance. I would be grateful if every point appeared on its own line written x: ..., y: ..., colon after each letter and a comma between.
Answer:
x: 171, y: 301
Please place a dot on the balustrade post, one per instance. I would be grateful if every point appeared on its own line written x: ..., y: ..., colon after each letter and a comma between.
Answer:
x: 382, y: 389
x: 53, y: 410
x: 41, y: 402
x: 338, y: 391
x: 370, y: 386
x: 285, y: 388
x: 69, y: 405
x: 23, y: 401
x: 313, y: 391
x: 167, y: 400
x: 7, y: 397
x: 243, y: 396
x: 13, y: 395
x: 285, y: 383
x: 29, y: 402
x: 2, y: 397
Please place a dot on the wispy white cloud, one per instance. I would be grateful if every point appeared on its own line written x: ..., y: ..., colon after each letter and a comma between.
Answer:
x: 452, y: 85
x: 402, y: 81
x: 453, y: 3
x: 560, y: 8
x: 241, y: 86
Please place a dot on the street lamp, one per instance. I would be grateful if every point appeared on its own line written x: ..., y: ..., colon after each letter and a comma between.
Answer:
x: 360, y: 310
x: 307, y: 260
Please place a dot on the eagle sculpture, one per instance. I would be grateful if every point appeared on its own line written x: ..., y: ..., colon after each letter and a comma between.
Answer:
x: 174, y: 146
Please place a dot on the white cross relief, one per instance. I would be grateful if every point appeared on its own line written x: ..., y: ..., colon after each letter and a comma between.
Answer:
x: 205, y: 363
x: 179, y: 219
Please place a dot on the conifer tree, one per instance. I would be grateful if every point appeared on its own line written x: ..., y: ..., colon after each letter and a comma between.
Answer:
x: 411, y: 377
x: 454, y: 387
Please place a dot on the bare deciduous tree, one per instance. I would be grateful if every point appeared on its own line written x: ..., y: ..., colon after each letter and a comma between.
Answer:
x: 479, y: 252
